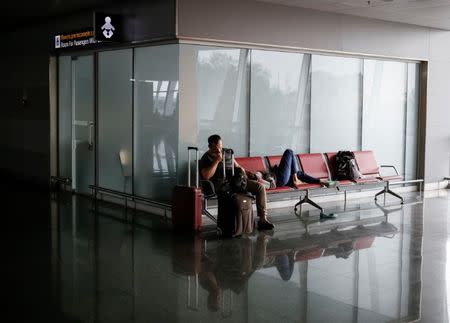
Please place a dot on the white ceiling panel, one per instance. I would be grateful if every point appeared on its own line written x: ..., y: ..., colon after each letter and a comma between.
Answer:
x: 427, y: 13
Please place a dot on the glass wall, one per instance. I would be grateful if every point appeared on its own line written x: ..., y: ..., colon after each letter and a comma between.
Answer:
x: 65, y: 116
x: 335, y: 104
x: 309, y: 103
x: 83, y: 127
x: 115, y: 120
x: 279, y: 102
x: 222, y: 96
x: 153, y: 102
x: 384, y: 111
x: 155, y: 121
x: 412, y: 114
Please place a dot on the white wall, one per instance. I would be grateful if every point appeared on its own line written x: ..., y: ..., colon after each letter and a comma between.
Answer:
x: 250, y: 21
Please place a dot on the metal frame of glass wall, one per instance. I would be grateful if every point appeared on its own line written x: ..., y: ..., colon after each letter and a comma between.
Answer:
x: 102, y: 109
x: 291, y: 107
x: 297, y: 93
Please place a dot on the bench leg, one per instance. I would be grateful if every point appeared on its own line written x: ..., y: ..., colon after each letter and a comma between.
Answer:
x: 92, y: 199
x: 379, y: 193
x: 388, y: 191
x: 345, y: 200
x: 209, y: 215
x: 396, y: 195
x: 206, y: 212
x: 306, y: 199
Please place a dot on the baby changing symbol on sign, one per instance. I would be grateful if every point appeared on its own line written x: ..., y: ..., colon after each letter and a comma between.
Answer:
x: 108, y: 28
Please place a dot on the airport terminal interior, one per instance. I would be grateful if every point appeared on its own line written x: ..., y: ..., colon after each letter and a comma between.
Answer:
x: 107, y: 107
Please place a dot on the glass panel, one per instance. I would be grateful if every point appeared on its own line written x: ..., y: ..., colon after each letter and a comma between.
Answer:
x: 115, y: 120
x: 83, y: 123
x: 412, y: 107
x: 222, y: 96
x: 65, y: 116
x: 280, y: 102
x: 384, y: 111
x: 335, y: 104
x: 156, y: 121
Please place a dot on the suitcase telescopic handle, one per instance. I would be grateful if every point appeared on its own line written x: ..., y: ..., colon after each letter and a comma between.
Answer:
x: 196, y: 166
x: 224, y: 152
x: 232, y: 162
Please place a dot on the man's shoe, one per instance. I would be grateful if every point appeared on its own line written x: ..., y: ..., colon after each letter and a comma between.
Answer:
x: 265, y: 226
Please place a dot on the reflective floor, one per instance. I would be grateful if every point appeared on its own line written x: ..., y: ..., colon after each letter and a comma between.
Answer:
x: 384, y: 263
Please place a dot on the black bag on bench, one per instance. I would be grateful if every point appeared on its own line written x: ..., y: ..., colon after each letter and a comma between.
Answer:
x: 342, y: 165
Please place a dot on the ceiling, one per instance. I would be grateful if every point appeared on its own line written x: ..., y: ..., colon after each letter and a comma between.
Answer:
x: 428, y: 13
x: 15, y: 14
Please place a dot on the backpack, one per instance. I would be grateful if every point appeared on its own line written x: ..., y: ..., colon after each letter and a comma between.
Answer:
x: 238, y: 181
x: 342, y: 165
x: 354, y: 172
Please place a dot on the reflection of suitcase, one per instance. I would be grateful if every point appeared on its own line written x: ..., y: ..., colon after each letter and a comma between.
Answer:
x: 187, y: 201
x: 187, y: 261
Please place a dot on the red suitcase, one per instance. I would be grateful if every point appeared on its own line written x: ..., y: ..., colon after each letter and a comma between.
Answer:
x: 187, y: 201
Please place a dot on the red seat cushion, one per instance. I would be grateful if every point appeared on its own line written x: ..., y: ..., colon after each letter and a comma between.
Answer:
x: 392, y: 178
x: 308, y: 254
x: 279, y: 189
x: 307, y: 186
x: 366, y: 162
x: 366, y: 180
x: 363, y: 243
x: 274, y: 160
x: 253, y: 164
x: 345, y: 182
x: 314, y: 165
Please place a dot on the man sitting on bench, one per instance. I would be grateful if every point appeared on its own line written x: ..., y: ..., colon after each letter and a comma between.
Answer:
x: 211, y: 168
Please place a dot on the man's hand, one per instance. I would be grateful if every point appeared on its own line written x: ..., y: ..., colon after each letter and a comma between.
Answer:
x: 219, y: 156
x: 250, y: 174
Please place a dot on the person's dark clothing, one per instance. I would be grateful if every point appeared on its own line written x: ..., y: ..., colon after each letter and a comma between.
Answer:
x: 205, y: 162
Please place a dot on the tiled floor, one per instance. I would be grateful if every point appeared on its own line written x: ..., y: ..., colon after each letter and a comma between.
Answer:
x: 392, y: 264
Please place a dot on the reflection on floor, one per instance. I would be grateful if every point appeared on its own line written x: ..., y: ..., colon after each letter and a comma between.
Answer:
x: 387, y: 264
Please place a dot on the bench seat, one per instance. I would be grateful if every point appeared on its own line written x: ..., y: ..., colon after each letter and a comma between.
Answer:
x: 321, y: 166
x: 366, y: 180
x: 307, y: 186
x: 257, y: 164
x: 368, y: 166
x: 280, y: 189
x: 391, y: 178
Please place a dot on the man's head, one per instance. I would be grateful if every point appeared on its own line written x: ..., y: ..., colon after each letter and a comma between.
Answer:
x: 215, y: 143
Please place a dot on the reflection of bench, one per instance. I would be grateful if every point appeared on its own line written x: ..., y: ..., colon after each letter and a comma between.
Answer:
x: 300, y: 248
x: 195, y: 258
x: 307, y: 247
